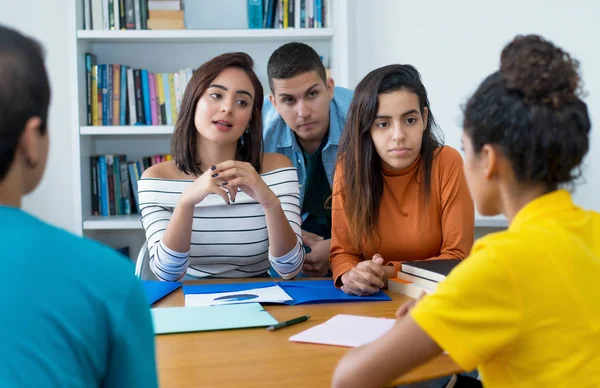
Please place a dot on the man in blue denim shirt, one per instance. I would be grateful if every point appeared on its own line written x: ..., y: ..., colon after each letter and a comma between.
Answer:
x: 303, y: 118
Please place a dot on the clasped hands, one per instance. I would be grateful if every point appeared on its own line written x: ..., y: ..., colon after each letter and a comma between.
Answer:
x: 366, y: 278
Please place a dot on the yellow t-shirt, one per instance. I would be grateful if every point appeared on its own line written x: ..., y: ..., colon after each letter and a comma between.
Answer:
x: 524, y: 307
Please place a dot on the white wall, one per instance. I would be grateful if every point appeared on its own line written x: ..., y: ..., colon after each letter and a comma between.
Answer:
x: 47, y: 21
x: 455, y: 44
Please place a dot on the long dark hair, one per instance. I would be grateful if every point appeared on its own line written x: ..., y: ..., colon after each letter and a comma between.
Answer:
x: 362, y: 180
x: 183, y: 142
x: 531, y: 110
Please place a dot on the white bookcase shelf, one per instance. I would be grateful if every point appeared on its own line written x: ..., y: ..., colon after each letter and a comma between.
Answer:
x: 254, y: 35
x: 126, y: 130
x: 165, y: 51
x: 113, y: 222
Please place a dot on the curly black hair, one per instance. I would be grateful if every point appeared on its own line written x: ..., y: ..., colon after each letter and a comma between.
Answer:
x: 531, y: 109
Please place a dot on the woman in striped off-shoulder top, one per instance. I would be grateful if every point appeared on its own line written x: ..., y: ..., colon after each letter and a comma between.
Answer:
x: 222, y: 207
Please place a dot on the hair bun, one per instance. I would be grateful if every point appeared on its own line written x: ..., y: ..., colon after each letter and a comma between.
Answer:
x: 542, y: 72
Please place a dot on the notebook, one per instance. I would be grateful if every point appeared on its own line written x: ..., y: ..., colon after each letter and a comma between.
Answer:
x: 346, y: 330
x: 187, y: 319
x: 435, y: 270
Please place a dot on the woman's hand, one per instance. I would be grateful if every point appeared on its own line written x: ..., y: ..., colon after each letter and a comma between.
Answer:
x: 366, y: 278
x: 241, y: 174
x: 207, y: 183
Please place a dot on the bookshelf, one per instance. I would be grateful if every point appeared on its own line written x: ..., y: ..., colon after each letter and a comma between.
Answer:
x: 166, y: 51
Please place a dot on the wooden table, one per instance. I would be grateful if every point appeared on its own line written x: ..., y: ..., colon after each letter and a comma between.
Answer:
x: 259, y: 358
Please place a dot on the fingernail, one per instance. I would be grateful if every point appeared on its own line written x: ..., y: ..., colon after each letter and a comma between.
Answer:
x: 213, y: 167
x: 224, y: 183
x: 215, y: 175
x: 233, y: 200
x: 229, y: 203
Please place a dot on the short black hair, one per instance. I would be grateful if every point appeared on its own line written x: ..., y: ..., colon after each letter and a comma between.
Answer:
x: 531, y: 110
x: 293, y: 59
x: 24, y: 91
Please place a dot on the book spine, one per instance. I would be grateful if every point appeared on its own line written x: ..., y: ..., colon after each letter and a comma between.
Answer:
x: 105, y: 15
x: 110, y: 183
x: 177, y: 83
x: 172, y: 96
x: 125, y: 189
x: 104, y: 204
x: 94, y: 183
x: 87, y: 15
x: 122, y: 21
x: 129, y: 14
x: 303, y: 13
x: 105, y: 95
x: 144, y: 14
x: 100, y: 95
x: 286, y: 12
x: 95, y: 95
x: 117, y: 184
x: 165, y: 77
x: 111, y: 14
x: 161, y: 98
x: 116, y: 95
x: 97, y: 15
x: 159, y: 118
x: 146, y: 97
x: 123, y: 94
x: 137, y: 15
x: 152, y: 87
x: 134, y: 187
x: 131, y: 96
x: 255, y: 13
x: 139, y: 102
x: 291, y: 14
x: 89, y: 62
x: 117, y: 15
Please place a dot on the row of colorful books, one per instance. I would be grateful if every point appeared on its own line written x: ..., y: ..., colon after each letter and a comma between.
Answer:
x: 114, y: 183
x: 125, y: 14
x: 120, y: 95
x: 289, y: 13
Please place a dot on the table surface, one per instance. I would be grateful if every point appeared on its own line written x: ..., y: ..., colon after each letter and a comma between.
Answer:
x: 258, y: 358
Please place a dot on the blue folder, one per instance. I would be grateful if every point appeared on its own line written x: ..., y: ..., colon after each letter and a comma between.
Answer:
x: 301, y: 291
x: 156, y: 290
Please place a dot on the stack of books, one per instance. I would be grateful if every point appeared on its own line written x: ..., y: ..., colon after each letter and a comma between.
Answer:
x: 416, y: 277
x: 165, y: 15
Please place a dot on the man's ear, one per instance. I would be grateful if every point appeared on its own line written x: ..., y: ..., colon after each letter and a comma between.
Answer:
x: 330, y: 87
x: 30, y: 142
x: 272, y: 98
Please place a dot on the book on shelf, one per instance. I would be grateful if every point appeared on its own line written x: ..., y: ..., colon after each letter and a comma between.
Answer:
x: 118, y: 95
x: 114, y: 183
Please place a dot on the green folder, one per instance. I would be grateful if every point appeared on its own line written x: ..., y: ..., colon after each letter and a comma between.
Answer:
x: 206, y: 318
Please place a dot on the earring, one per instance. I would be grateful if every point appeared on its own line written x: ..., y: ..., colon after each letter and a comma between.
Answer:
x: 247, y: 131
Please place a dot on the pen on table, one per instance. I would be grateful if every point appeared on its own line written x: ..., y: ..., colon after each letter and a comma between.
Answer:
x: 281, y: 325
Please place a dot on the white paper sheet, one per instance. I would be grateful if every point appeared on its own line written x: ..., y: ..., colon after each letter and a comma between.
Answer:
x: 346, y: 330
x: 274, y: 294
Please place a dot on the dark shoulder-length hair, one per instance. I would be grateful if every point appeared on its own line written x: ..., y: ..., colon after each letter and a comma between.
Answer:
x: 183, y: 142
x: 362, y: 174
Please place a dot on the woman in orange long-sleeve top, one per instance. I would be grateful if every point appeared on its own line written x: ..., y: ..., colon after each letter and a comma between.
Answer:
x: 398, y: 195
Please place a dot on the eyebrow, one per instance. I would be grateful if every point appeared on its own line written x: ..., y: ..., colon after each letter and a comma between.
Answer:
x: 224, y: 88
x: 307, y: 90
x: 402, y: 115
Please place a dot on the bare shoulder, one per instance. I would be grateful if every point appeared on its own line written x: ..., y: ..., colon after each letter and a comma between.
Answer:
x: 164, y: 170
x: 274, y: 161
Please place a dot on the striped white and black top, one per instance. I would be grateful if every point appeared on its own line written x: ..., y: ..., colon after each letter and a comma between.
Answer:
x: 227, y: 240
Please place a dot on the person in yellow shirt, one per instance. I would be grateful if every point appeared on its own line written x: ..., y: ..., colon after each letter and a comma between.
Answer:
x: 523, y: 307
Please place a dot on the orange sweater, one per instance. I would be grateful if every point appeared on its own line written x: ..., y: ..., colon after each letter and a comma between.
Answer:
x: 409, y: 231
